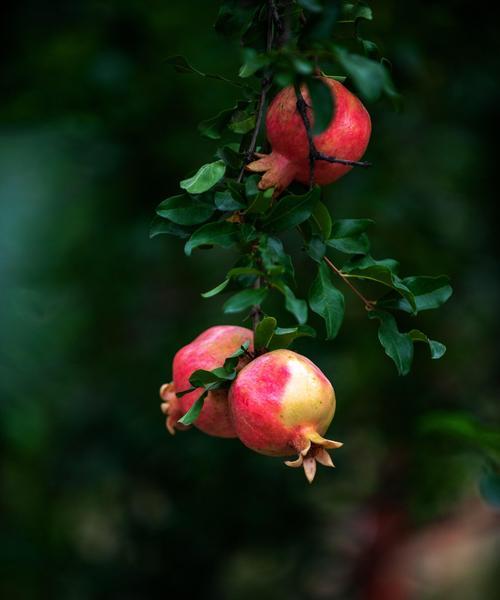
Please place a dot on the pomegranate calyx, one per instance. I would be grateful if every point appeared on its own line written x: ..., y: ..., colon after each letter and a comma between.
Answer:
x: 314, y: 451
x: 170, y: 407
x: 278, y: 170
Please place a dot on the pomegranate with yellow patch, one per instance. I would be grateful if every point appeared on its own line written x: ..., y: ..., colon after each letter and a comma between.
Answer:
x: 282, y: 404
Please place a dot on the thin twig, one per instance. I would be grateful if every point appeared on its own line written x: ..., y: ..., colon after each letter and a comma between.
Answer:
x: 369, y: 305
x: 314, y: 153
x: 273, y: 22
x: 274, y: 25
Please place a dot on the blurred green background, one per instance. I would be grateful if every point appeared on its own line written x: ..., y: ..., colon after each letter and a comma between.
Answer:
x: 97, y: 500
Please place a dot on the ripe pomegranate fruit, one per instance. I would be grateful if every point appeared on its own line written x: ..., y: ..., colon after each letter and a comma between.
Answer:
x: 346, y: 137
x: 208, y: 351
x: 282, y: 404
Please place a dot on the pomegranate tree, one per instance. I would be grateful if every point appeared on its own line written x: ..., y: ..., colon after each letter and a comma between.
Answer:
x: 247, y: 383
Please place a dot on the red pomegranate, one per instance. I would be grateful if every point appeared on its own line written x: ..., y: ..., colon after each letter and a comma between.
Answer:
x: 208, y: 351
x: 282, y: 404
x: 346, y: 137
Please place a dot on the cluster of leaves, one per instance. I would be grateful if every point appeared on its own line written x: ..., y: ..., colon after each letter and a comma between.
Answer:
x: 221, y: 205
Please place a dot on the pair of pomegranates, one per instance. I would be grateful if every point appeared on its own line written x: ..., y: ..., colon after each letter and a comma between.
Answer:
x: 280, y: 403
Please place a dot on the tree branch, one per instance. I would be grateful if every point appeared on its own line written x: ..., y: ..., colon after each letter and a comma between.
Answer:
x: 369, y: 305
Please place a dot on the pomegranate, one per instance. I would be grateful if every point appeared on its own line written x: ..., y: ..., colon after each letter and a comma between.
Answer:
x: 346, y: 137
x: 208, y: 351
x: 282, y: 404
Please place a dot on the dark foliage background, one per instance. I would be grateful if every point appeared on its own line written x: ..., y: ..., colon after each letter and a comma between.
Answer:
x: 97, y: 500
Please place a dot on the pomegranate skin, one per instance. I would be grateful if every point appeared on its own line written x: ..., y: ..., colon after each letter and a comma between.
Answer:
x: 346, y: 137
x: 282, y: 404
x: 208, y: 351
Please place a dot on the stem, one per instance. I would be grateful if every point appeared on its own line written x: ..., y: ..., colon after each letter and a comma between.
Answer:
x: 273, y: 20
x: 256, y: 311
x: 369, y: 305
x: 274, y: 23
x: 314, y: 153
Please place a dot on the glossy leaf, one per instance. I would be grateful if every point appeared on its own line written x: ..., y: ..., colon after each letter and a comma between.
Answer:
x: 398, y: 346
x: 321, y: 219
x: 225, y: 201
x: 380, y: 271
x: 322, y: 104
x: 429, y: 293
x: 222, y: 233
x: 437, y: 348
x: 194, y: 412
x: 244, y: 300
x: 292, y: 210
x: 316, y: 248
x: 264, y: 332
x: 185, y: 210
x: 213, y: 128
x: 252, y: 62
x: 327, y: 301
x: 295, y: 306
x: 159, y: 227
x: 205, y: 178
x: 284, y: 337
x: 261, y: 202
x: 216, y: 290
x: 369, y: 76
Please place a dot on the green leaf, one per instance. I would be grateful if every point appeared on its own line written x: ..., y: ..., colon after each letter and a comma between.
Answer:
x: 327, y: 301
x: 322, y: 220
x: 316, y: 248
x: 292, y: 210
x: 380, y: 271
x: 342, y: 228
x: 261, y: 202
x: 212, y: 128
x: 244, y: 299
x: 232, y: 361
x: 370, y: 77
x: 295, y: 306
x: 208, y: 380
x: 205, y: 178
x: 225, y: 201
x: 216, y: 290
x: 437, y: 348
x: 264, y: 332
x: 221, y: 233
x: 322, y: 104
x: 185, y: 210
x: 274, y: 258
x: 159, y: 226
x: 319, y: 25
x: 242, y: 121
x: 194, y: 412
x: 284, y: 337
x: 232, y: 159
x: 429, y: 293
x: 397, y: 346
x: 237, y: 271
x: 348, y: 236
x: 251, y: 186
x: 351, y: 11
x: 252, y: 62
